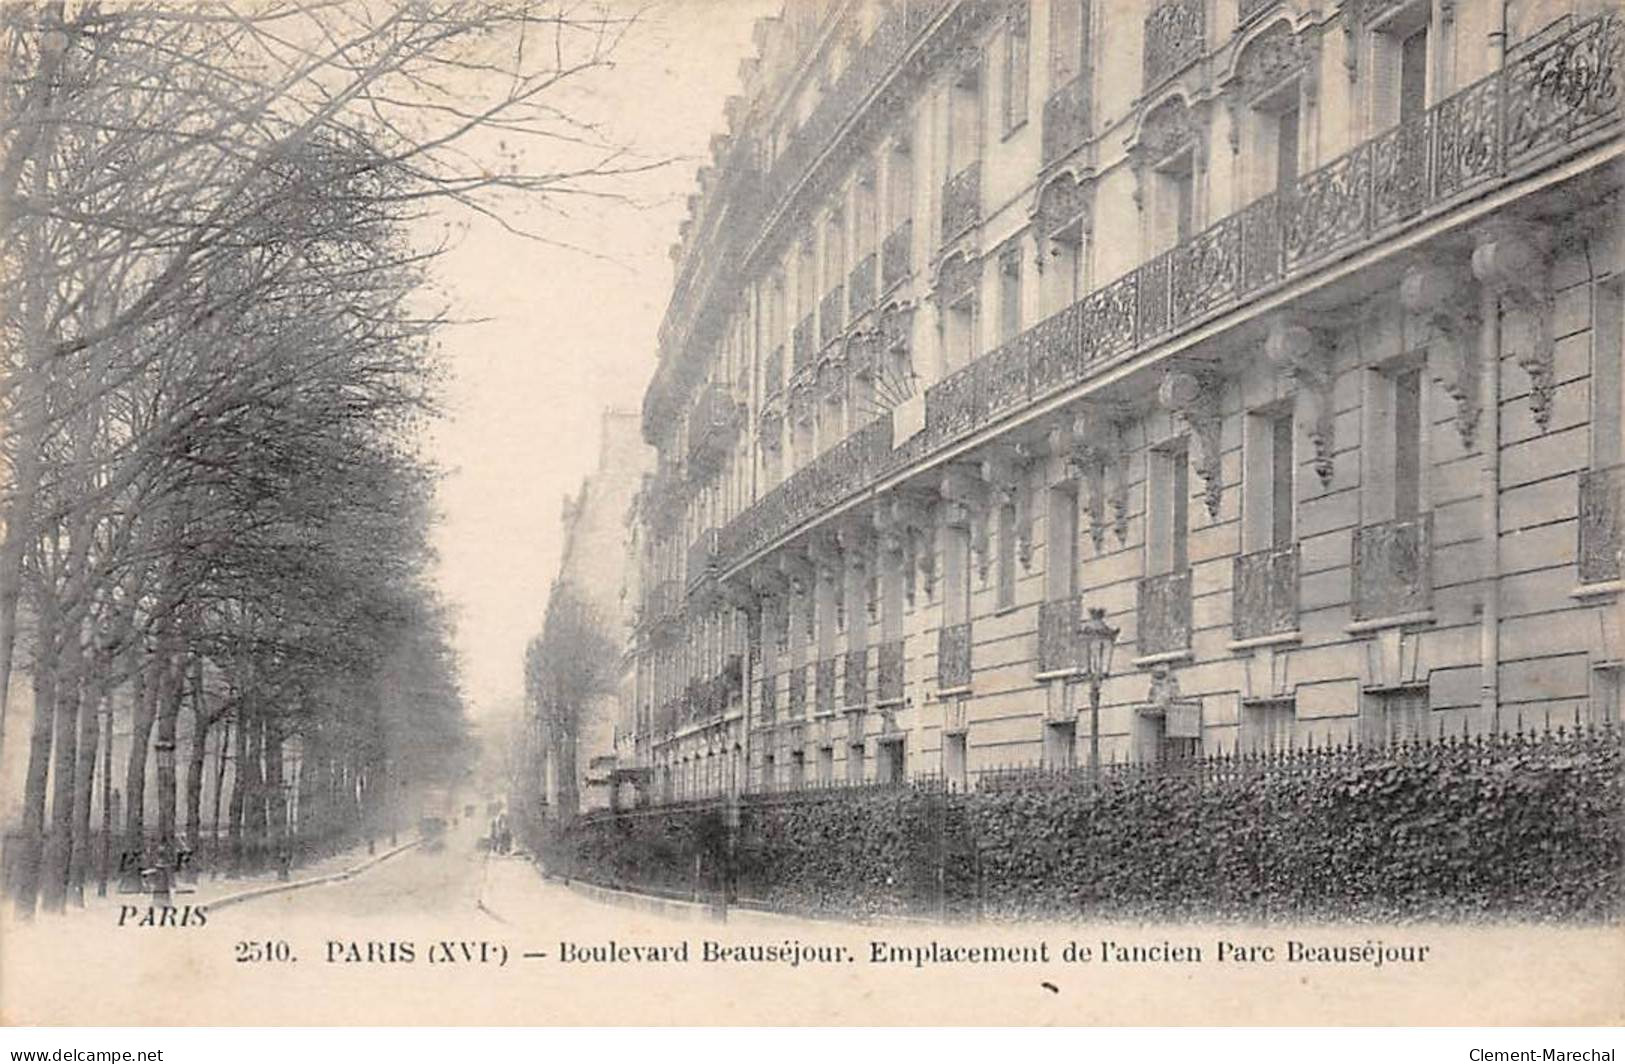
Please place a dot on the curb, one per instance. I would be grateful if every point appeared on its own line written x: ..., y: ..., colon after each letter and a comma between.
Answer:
x: 300, y: 884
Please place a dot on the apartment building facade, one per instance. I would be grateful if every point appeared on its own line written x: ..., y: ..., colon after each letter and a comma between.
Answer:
x: 1287, y: 333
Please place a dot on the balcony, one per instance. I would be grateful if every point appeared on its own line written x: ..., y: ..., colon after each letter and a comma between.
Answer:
x: 1602, y: 539
x: 773, y: 372
x: 662, y: 600
x: 801, y: 345
x: 1058, y: 649
x: 889, y: 673
x: 1066, y: 120
x: 1247, y: 10
x: 824, y: 686
x: 1548, y: 102
x: 831, y: 315
x: 798, y: 692
x: 856, y: 692
x: 897, y: 256
x: 1393, y: 569
x: 860, y: 286
x: 1175, y: 36
x: 702, y: 557
x: 1165, y: 613
x: 1265, y: 593
x: 953, y: 656
x: 713, y: 428
x: 961, y: 202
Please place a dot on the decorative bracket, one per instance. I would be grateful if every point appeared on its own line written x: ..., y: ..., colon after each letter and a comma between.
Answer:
x: 1004, y: 470
x: 1304, y: 358
x: 1443, y: 296
x: 1192, y: 393
x: 965, y: 495
x: 1511, y: 260
x: 1097, y: 458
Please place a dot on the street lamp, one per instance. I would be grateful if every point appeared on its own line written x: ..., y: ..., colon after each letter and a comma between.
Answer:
x: 1096, y: 639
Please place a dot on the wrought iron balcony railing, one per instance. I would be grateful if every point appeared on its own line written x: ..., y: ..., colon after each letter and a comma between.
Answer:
x: 1058, y: 621
x: 1066, y: 120
x: 889, y: 672
x: 1549, y: 100
x: 961, y: 201
x: 713, y: 427
x: 856, y: 690
x: 702, y: 556
x: 1393, y: 568
x: 824, y: 686
x: 860, y: 286
x: 1265, y: 593
x: 831, y: 315
x: 953, y: 656
x: 1602, y: 530
x: 798, y: 692
x: 1165, y: 613
x: 897, y: 256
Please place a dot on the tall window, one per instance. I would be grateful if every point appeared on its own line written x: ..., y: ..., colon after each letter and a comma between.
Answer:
x: 1060, y: 745
x: 1068, y: 26
x: 826, y: 764
x: 1400, y: 65
x: 1281, y: 509
x: 1286, y: 150
x: 1007, y: 556
x: 1015, y: 67
x: 1009, y: 293
x: 964, y: 119
x: 1268, y: 479
x: 1407, y: 443
x: 854, y: 763
x: 1413, y: 75
x: 1168, y: 534
x: 899, y: 186
x: 1061, y: 565
x: 1608, y: 383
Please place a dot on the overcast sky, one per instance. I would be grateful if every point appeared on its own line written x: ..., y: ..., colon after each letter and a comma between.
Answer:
x: 567, y: 335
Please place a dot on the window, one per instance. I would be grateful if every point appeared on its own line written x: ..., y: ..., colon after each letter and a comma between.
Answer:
x: 1061, y: 567
x: 1174, y: 201
x: 1407, y: 450
x: 899, y: 186
x: 1009, y: 293
x: 964, y: 120
x: 1060, y: 745
x: 1608, y: 383
x: 959, y: 334
x: 1400, y: 65
x: 1006, y: 588
x: 826, y: 764
x: 889, y: 762
x: 1068, y: 29
x: 798, y: 768
x: 1268, y: 481
x: 1183, y: 201
x: 1286, y: 150
x: 955, y: 574
x: 1267, y: 724
x: 1413, y: 75
x: 953, y: 761
x: 1015, y: 68
x: 1169, y: 516
x: 769, y: 772
x: 1061, y: 282
x: 854, y: 763
x: 1398, y: 715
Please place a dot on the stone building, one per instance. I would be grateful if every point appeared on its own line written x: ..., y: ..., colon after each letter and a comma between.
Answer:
x: 1285, y: 332
x: 592, y: 569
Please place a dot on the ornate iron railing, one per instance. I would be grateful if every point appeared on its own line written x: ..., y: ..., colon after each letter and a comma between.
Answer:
x: 856, y: 692
x: 1058, y: 621
x: 702, y: 556
x: 1251, y: 9
x: 897, y: 255
x: 713, y: 426
x: 1393, y: 568
x: 798, y: 692
x: 860, y: 286
x: 1175, y: 35
x: 1066, y: 120
x: 889, y: 672
x: 1265, y: 593
x: 953, y: 656
x: 824, y: 685
x: 1165, y: 613
x: 1602, y: 529
x: 1563, y: 88
x: 961, y: 201
x: 831, y: 314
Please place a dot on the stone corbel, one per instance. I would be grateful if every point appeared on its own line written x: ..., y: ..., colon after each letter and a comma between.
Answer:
x: 1511, y: 260
x: 1193, y: 394
x: 1004, y: 470
x: 1097, y: 458
x: 1304, y: 358
x: 965, y: 505
x: 1443, y: 296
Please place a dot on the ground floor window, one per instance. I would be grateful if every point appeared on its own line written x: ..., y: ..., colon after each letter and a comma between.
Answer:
x: 1397, y: 715
x: 953, y: 760
x: 1060, y: 744
x: 1267, y: 724
x: 826, y: 764
x: 889, y: 762
x: 854, y: 763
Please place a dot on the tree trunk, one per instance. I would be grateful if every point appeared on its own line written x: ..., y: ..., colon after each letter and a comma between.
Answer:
x: 90, y: 730
x: 144, y: 704
x: 276, y: 804
x: 239, y: 784
x: 58, y: 843
x: 219, y: 787
x: 109, y: 814
x: 169, y: 707
x: 254, y: 797
x: 26, y: 887
x: 195, y: 764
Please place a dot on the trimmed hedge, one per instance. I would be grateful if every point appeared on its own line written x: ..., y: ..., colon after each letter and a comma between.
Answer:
x: 1526, y: 827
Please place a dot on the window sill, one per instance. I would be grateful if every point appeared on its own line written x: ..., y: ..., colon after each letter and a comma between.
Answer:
x: 945, y: 693
x: 1241, y: 646
x: 1167, y: 657
x: 1059, y: 674
x: 1398, y: 620
x: 1601, y: 589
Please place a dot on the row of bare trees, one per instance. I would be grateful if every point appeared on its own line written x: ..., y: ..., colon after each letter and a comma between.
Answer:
x: 570, y: 664
x: 218, y: 354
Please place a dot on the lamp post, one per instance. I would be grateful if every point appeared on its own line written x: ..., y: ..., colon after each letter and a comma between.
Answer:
x: 1096, y: 639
